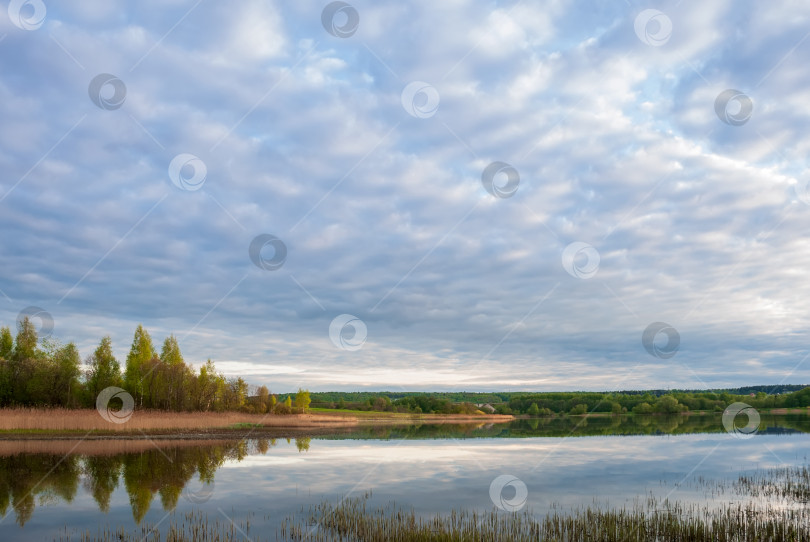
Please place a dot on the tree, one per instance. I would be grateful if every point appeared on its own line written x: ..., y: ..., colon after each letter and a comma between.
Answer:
x: 6, y: 343
x: 139, y: 357
x: 174, y: 373
x: 235, y: 393
x: 668, y: 405
x: 25, y: 347
x: 104, y: 371
x: 170, y: 354
x: 302, y: 399
x: 23, y: 363
x: 263, y: 397
x: 534, y: 410
x: 66, y: 363
x: 208, y: 388
x: 288, y: 402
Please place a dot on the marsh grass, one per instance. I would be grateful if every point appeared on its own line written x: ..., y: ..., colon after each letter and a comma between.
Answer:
x: 350, y: 520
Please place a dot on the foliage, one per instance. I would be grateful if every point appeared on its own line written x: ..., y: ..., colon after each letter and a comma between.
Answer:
x: 302, y: 400
x: 578, y: 410
x: 48, y: 373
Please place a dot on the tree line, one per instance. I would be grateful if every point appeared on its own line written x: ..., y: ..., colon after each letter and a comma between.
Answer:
x: 565, y: 403
x: 48, y: 373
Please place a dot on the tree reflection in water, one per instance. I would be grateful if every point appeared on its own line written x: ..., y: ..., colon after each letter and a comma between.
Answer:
x: 30, y: 476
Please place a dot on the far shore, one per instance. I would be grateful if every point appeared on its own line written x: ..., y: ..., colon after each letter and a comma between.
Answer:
x: 33, y: 423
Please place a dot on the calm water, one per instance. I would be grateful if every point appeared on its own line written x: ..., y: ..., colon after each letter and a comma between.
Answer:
x: 50, y: 489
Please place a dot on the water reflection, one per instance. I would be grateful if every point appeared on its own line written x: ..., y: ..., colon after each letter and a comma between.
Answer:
x: 51, y: 472
x: 30, y: 477
x: 575, y: 426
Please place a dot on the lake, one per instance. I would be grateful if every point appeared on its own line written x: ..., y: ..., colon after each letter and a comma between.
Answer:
x: 57, y: 489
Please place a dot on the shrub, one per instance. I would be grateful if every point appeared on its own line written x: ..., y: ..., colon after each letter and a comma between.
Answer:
x: 579, y: 409
x: 643, y: 408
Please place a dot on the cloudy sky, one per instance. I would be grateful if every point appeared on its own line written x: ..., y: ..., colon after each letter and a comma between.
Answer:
x: 419, y: 195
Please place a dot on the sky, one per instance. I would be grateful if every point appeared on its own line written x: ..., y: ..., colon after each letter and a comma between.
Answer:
x: 456, y: 195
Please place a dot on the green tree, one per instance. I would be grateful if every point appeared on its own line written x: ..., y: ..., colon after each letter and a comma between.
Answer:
x: 6, y: 343
x: 174, y: 374
x: 65, y: 391
x: 25, y: 347
x: 24, y: 363
x: 170, y: 353
x: 208, y: 389
x: 302, y: 399
x: 288, y: 402
x: 534, y: 410
x: 104, y: 371
x: 138, y: 363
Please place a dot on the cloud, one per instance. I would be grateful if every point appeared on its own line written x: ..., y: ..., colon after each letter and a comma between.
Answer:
x: 617, y: 143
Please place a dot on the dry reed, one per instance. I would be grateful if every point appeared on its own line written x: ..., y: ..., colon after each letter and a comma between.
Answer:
x: 58, y: 419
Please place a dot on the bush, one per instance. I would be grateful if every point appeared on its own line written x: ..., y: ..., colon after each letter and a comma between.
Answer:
x: 579, y: 409
x: 282, y: 408
x: 668, y: 404
x: 643, y: 408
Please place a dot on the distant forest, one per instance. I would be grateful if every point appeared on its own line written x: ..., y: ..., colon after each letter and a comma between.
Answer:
x: 48, y: 373
x: 549, y: 403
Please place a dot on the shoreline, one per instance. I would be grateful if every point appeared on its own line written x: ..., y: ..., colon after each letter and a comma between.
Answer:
x: 85, y: 424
